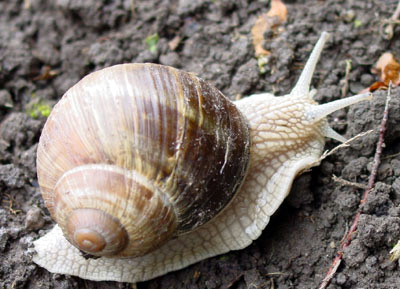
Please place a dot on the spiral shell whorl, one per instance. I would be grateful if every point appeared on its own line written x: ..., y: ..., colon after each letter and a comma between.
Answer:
x: 96, y: 232
x: 103, y: 207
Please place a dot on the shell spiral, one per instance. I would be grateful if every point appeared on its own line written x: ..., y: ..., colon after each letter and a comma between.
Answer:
x: 135, y: 154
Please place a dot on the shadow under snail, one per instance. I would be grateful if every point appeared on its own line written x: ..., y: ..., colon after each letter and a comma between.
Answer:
x: 153, y: 169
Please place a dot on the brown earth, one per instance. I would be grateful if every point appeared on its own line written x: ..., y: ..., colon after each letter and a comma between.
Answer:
x: 75, y: 37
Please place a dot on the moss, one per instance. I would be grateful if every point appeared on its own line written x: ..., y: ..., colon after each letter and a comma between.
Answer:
x: 37, y: 107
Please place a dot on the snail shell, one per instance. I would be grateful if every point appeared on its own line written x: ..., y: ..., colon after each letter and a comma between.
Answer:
x: 136, y: 154
x: 153, y: 163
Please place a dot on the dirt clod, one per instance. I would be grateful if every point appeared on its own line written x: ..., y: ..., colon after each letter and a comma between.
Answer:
x: 34, y: 219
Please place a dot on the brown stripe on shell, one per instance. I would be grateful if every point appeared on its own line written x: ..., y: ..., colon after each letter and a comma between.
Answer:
x: 213, y: 155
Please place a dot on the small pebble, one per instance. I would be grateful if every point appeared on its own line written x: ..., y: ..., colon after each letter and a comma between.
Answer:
x: 349, y: 16
x: 367, y: 79
x: 5, y: 99
x: 34, y: 219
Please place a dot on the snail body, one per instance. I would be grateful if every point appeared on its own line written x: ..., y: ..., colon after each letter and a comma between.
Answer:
x: 154, y: 169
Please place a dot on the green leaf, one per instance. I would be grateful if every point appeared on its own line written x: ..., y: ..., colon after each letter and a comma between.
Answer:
x: 151, y: 42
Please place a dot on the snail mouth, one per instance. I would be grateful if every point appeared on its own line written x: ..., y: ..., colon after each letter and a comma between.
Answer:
x: 96, y: 232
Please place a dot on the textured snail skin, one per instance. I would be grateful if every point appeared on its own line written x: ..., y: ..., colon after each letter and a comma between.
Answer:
x: 287, y: 136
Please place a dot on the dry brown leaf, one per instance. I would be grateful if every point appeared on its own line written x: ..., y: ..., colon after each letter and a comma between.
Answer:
x: 270, y: 20
x: 174, y: 43
x: 388, y: 70
x: 278, y: 9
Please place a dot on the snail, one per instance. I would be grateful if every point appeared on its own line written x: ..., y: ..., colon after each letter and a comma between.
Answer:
x: 148, y: 169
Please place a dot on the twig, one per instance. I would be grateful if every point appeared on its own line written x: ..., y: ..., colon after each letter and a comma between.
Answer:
x: 133, y: 7
x: 276, y: 274
x: 335, y: 149
x: 240, y: 275
x: 348, y: 183
x: 10, y: 205
x: 395, y: 252
x: 371, y: 182
x: 387, y: 26
x: 345, y: 87
x: 391, y: 156
x: 332, y: 151
x: 342, y: 145
x: 272, y: 283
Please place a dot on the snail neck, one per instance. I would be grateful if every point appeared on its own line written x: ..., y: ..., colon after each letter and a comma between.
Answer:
x: 291, y: 125
x: 279, y: 127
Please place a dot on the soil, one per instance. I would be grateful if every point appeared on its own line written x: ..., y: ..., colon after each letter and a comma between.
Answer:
x: 47, y: 46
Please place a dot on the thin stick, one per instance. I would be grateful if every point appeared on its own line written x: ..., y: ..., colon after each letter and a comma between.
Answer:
x: 387, y: 26
x: 10, y: 205
x: 345, y: 87
x: 336, y: 148
x: 371, y: 183
x: 343, y: 145
x: 391, y: 156
x: 348, y: 183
